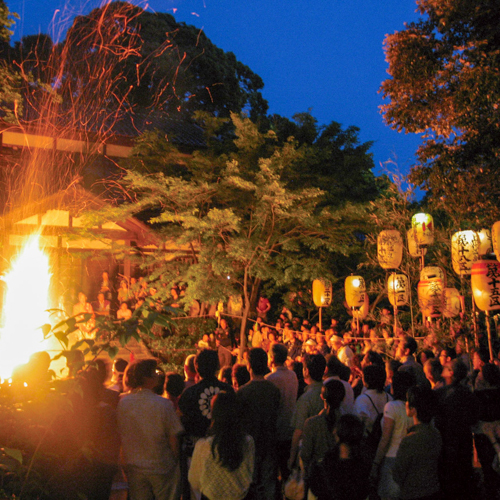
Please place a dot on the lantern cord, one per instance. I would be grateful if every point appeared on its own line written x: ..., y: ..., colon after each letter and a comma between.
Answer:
x: 488, y: 328
x: 411, y: 301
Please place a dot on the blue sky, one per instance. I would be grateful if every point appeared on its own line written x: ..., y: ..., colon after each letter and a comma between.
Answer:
x: 325, y: 56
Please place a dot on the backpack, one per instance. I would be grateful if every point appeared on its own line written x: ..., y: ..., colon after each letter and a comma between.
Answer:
x: 373, y: 438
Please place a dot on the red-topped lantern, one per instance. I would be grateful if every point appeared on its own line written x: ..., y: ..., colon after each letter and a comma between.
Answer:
x: 423, y: 225
x: 389, y: 249
x: 464, y: 251
x: 429, y: 272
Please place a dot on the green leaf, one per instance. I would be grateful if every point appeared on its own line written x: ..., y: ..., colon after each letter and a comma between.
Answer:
x: 16, y: 454
x: 113, y: 351
x: 62, y: 337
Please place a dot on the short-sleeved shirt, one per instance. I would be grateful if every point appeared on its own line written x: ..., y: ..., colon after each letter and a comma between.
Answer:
x: 195, y: 405
x: 308, y: 405
x: 287, y: 383
x: 146, y: 423
x: 367, y: 411
x: 396, y: 411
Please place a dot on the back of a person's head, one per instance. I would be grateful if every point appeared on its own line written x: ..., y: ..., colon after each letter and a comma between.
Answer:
x: 450, y: 352
x: 410, y: 343
x: 315, y: 364
x: 334, y: 366
x: 435, y: 367
x: 189, y: 363
x: 279, y: 353
x: 491, y: 374
x: 374, y: 358
x: 459, y: 369
x: 257, y: 359
x: 423, y: 400
x: 401, y: 382
x: 207, y: 363
x: 393, y: 365
x: 225, y: 375
x: 374, y: 377
x: 483, y: 354
x: 119, y: 365
x: 298, y: 368
x: 174, y: 384
x: 102, y: 369
x: 159, y: 388
x: 227, y: 430
x: 241, y: 374
x: 350, y: 430
x: 334, y: 393
x: 137, y: 372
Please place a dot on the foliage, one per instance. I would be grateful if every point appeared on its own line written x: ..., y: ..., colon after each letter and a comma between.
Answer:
x: 444, y: 83
x: 127, y: 57
x: 334, y: 161
x: 240, y: 222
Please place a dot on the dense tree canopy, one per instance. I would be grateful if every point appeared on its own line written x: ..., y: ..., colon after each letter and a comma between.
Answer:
x: 120, y: 54
x: 445, y: 84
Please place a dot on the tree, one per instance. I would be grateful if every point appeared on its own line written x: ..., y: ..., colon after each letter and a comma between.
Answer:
x: 445, y: 84
x: 335, y: 160
x: 122, y: 56
x: 243, y: 225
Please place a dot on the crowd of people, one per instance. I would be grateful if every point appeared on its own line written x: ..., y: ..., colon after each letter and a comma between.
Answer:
x: 401, y: 427
x: 361, y: 412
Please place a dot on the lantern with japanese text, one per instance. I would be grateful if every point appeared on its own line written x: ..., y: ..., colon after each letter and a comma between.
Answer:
x: 413, y: 248
x: 389, y: 249
x: 423, y: 225
x: 397, y: 289
x: 430, y: 297
x: 451, y: 299
x: 362, y: 312
x: 464, y: 251
x: 485, y: 242
x: 429, y: 272
x: 485, y: 282
x: 495, y: 239
x: 322, y: 292
x: 355, y: 291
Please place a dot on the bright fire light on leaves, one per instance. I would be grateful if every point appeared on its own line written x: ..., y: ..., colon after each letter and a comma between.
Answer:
x: 25, y: 307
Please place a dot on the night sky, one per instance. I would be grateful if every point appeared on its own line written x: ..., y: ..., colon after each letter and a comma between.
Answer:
x: 325, y: 56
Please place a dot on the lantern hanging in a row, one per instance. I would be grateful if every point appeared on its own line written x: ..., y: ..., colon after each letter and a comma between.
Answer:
x: 430, y: 297
x: 451, y: 305
x: 423, y: 225
x: 355, y: 291
x: 485, y: 282
x: 389, y: 249
x: 322, y: 292
x: 397, y: 289
x: 429, y: 272
x: 485, y: 242
x: 495, y: 239
x: 464, y: 251
x: 413, y: 247
x: 362, y: 312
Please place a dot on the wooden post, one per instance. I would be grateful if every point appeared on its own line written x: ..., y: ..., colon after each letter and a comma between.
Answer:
x: 488, y: 328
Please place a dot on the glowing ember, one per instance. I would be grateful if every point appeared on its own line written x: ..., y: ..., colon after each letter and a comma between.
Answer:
x: 25, y: 307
